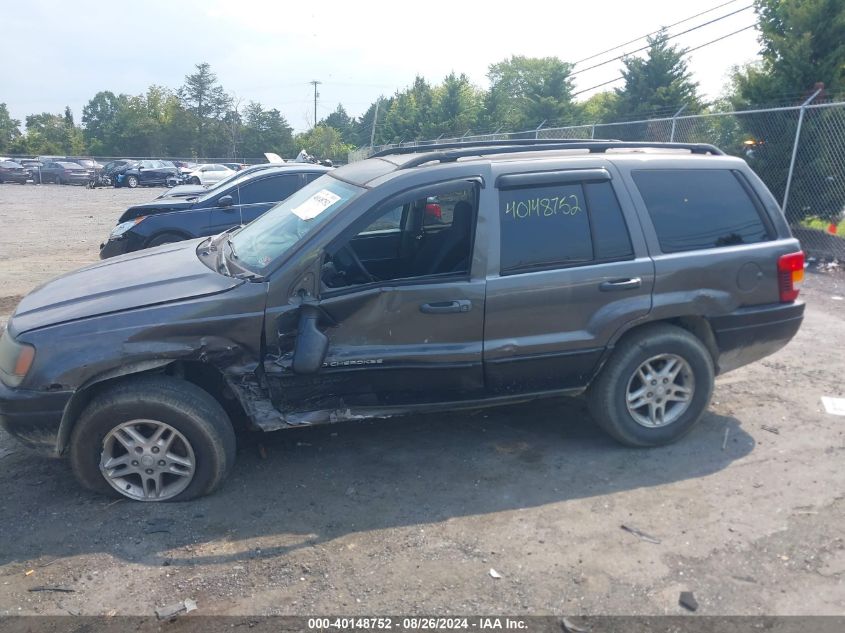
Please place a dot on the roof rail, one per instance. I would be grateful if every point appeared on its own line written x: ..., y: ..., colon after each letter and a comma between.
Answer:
x: 413, y: 149
x: 448, y: 152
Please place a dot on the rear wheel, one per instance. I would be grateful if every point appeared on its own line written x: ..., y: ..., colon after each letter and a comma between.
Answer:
x: 654, y: 388
x: 154, y: 438
x: 132, y: 181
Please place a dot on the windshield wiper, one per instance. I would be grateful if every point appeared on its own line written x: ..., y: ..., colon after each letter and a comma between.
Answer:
x: 232, y: 247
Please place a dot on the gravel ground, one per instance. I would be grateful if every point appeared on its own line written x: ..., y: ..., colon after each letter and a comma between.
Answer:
x: 410, y: 515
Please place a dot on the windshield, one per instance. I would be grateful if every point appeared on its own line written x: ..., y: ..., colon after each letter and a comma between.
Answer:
x: 270, y: 236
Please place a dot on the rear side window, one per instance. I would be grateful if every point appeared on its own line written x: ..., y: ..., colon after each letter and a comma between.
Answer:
x: 273, y: 189
x: 557, y: 226
x: 693, y: 209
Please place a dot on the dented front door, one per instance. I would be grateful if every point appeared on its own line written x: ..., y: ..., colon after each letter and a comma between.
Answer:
x: 392, y: 345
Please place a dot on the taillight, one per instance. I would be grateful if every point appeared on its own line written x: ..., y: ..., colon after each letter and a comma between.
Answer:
x: 790, y: 274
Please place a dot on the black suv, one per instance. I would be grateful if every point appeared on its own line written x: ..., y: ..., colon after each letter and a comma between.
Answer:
x: 633, y: 272
x: 239, y: 201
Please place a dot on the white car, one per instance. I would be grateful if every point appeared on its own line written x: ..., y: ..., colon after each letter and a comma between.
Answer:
x: 208, y: 174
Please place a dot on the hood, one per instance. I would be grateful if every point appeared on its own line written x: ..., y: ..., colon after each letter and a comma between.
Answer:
x: 172, y: 272
x: 165, y: 205
x: 183, y: 191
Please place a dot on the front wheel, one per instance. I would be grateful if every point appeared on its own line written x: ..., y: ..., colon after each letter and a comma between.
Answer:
x: 194, y: 180
x: 153, y: 438
x: 132, y: 181
x: 654, y: 388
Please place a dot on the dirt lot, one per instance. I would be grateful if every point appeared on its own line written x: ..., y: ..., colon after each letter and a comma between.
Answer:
x: 409, y: 516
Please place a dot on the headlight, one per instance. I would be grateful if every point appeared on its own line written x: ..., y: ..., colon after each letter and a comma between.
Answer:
x: 15, y: 359
x: 121, y: 228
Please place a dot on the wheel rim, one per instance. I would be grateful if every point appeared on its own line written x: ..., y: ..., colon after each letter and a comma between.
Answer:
x: 147, y: 460
x: 660, y: 391
x: 132, y: 181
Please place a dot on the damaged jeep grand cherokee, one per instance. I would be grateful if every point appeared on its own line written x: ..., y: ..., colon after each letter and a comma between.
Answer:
x: 633, y: 272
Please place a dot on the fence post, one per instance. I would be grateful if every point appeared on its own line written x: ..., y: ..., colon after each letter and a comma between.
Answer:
x: 593, y: 131
x: 674, y: 119
x: 795, y: 148
x: 537, y: 130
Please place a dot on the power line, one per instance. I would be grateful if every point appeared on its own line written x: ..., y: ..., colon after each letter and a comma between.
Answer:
x: 668, y: 26
x: 718, y: 39
x: 671, y: 37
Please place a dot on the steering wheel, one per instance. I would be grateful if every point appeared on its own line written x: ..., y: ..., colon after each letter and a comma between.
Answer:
x: 348, y: 260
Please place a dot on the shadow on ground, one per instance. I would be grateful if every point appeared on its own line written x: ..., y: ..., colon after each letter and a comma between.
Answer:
x: 321, y: 483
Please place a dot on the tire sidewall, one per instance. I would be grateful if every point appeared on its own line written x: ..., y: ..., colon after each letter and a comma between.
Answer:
x: 702, y: 368
x: 130, y: 180
x: 86, y: 451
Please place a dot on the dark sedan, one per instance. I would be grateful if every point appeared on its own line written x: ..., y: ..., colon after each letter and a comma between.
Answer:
x: 65, y: 173
x: 171, y: 220
x: 10, y: 171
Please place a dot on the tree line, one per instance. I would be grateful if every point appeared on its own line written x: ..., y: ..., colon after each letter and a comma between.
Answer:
x: 802, y: 44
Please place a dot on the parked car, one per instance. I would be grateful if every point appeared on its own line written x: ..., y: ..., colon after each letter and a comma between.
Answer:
x: 88, y: 163
x: 207, y: 174
x: 191, y: 191
x: 243, y: 199
x: 234, y: 166
x: 10, y: 171
x: 631, y: 276
x: 65, y: 173
x: 141, y: 173
x: 32, y: 165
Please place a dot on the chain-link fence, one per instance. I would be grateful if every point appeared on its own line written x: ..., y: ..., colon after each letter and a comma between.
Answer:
x: 799, y: 152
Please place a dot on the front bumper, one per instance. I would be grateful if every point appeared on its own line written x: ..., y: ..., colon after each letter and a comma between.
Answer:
x: 33, y: 417
x: 752, y: 333
x: 126, y: 243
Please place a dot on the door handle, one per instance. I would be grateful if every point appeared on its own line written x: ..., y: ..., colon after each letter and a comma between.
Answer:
x: 446, y: 307
x: 621, y: 284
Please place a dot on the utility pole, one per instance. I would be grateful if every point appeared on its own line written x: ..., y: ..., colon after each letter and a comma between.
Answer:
x: 375, y: 118
x: 315, y: 83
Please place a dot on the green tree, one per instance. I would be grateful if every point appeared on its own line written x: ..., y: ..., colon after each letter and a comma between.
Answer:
x: 265, y: 131
x: 48, y: 133
x: 99, y: 120
x: 208, y: 103
x: 342, y: 122
x: 456, y: 106
x: 525, y: 91
x: 600, y: 108
x: 659, y: 83
x: 323, y: 141
x: 802, y: 44
x: 802, y: 50
x: 10, y: 129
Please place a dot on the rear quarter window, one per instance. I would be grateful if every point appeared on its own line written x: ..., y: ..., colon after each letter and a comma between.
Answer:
x: 694, y: 209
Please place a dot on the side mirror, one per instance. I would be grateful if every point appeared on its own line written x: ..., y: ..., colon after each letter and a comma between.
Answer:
x: 311, y: 343
x: 225, y: 201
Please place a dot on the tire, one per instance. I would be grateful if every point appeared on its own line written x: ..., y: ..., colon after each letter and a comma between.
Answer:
x: 661, y: 345
x: 197, y: 430
x: 132, y: 181
x: 194, y: 181
x: 59, y: 180
x: 164, y: 238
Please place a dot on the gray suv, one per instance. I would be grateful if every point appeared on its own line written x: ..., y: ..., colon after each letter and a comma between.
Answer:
x: 631, y: 272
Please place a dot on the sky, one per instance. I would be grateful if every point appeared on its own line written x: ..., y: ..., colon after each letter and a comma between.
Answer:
x: 61, y: 53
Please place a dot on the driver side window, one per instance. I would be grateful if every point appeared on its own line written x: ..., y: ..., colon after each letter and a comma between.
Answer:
x: 427, y: 234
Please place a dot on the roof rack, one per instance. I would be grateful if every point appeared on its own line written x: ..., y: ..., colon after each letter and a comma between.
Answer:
x: 447, y: 152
